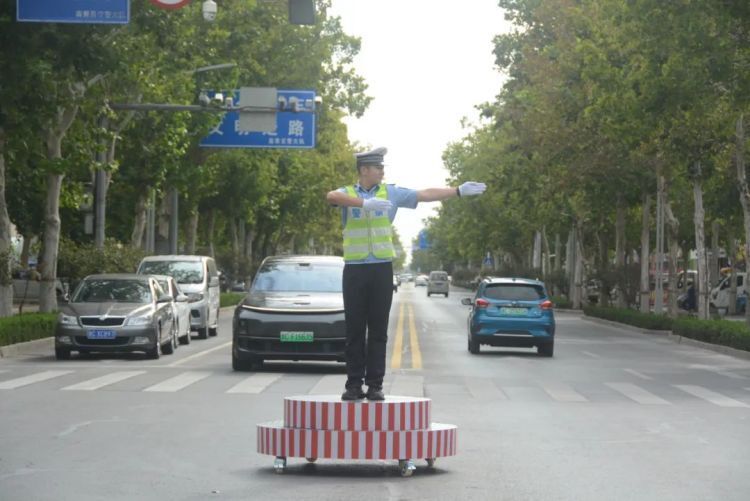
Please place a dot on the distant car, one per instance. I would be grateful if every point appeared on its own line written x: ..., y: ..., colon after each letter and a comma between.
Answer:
x: 437, y: 283
x: 180, y: 306
x: 720, y: 294
x: 512, y: 312
x: 116, y: 313
x: 238, y: 286
x: 293, y: 311
x: 421, y: 281
x: 396, y: 283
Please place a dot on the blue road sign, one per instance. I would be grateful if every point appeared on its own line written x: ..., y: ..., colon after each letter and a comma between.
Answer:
x: 74, y: 11
x: 424, y: 241
x: 293, y: 129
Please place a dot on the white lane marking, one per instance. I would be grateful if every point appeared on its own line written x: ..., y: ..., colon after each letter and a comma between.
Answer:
x: 96, y: 383
x: 729, y: 374
x: 637, y: 394
x: 254, y: 384
x: 592, y: 355
x: 484, y: 389
x: 329, y: 384
x: 563, y: 393
x: 637, y: 374
x: 179, y: 382
x: 711, y: 396
x: 34, y: 378
x: 193, y: 357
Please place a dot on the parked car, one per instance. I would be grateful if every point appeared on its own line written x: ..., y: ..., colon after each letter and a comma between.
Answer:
x: 294, y: 311
x: 116, y: 313
x: 197, y: 277
x: 719, y: 296
x: 512, y: 312
x: 180, y: 306
x: 421, y: 281
x: 437, y: 283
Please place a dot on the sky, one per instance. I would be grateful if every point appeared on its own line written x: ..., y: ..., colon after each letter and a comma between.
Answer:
x: 428, y: 64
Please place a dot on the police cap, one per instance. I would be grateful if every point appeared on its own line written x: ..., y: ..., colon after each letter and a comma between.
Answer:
x: 372, y: 157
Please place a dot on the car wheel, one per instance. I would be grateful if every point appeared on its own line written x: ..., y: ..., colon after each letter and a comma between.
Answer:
x: 473, y: 345
x: 186, y: 338
x: 446, y: 294
x: 239, y: 364
x: 168, y: 347
x: 203, y: 332
x: 154, y: 353
x: 546, y: 350
x: 214, y: 330
x: 62, y: 353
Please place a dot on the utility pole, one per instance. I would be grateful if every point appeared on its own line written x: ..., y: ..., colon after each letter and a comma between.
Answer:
x: 658, y: 286
x: 100, y: 190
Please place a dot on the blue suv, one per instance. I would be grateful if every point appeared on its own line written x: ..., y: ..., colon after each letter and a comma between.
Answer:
x: 514, y: 312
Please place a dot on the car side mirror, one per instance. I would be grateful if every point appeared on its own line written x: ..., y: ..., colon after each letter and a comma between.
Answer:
x: 182, y: 298
x: 467, y: 301
x: 166, y: 298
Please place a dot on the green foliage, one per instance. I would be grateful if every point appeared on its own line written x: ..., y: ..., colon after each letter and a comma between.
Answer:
x: 561, y: 302
x: 26, y: 327
x: 631, y: 317
x: 77, y: 260
x: 230, y: 298
x: 722, y: 332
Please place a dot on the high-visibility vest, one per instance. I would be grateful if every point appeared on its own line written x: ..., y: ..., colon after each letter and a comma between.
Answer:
x: 366, y: 232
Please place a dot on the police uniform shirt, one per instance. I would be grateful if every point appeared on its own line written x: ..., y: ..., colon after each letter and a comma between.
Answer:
x: 399, y: 197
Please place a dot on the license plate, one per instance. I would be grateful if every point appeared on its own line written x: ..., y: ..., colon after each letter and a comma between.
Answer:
x: 513, y: 311
x: 100, y: 334
x: 296, y: 337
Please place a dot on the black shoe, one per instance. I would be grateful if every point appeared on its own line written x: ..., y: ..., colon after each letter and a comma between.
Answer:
x: 353, y: 393
x: 375, y: 393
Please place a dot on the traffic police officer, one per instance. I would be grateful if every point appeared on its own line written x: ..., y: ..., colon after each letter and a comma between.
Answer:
x: 368, y: 208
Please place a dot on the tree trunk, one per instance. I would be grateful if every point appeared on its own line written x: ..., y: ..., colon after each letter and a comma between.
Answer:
x: 733, y: 277
x: 139, y: 225
x: 546, y: 259
x: 210, y: 232
x: 673, y: 226
x: 558, y: 251
x: 6, y: 279
x: 570, y: 254
x: 578, y: 275
x: 25, y: 250
x: 645, y: 251
x: 700, y: 247
x: 191, y: 235
x: 235, y: 246
x: 744, y: 193
x: 713, y: 263
x: 620, y: 251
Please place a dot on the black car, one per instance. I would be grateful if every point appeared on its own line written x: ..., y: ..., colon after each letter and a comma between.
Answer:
x: 293, y: 311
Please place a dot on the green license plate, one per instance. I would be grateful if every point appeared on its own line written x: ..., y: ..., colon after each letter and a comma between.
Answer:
x: 296, y: 337
x: 513, y: 311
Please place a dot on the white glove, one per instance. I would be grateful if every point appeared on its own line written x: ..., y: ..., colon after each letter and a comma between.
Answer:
x: 374, y: 204
x: 471, y: 188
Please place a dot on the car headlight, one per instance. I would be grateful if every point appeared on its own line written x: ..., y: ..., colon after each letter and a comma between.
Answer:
x: 144, y: 320
x: 195, y: 296
x: 67, y: 319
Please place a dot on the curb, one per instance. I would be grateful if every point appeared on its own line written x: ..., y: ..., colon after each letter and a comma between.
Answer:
x: 42, y: 346
x: 676, y: 338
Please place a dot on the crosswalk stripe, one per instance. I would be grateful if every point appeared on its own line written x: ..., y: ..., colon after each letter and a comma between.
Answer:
x: 99, y: 382
x: 637, y: 394
x: 711, y: 396
x: 563, y: 393
x: 179, y: 382
x: 254, y: 384
x: 33, y: 378
x: 330, y: 384
x: 638, y: 374
x: 592, y: 355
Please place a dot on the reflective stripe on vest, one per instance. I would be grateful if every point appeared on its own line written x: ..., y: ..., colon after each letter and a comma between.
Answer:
x: 367, y: 232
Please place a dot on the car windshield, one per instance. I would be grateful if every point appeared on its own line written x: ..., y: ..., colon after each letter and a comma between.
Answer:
x: 514, y: 292
x: 438, y: 276
x: 299, y: 277
x: 184, y: 272
x: 102, y: 290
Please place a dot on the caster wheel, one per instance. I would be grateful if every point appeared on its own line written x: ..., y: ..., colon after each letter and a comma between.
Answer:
x: 279, y: 464
x: 311, y: 460
x: 406, y: 467
x: 430, y: 462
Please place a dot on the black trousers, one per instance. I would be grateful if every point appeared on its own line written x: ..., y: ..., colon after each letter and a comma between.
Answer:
x: 368, y: 292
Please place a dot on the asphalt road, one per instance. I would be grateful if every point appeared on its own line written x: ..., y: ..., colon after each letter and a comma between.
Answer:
x: 615, y: 415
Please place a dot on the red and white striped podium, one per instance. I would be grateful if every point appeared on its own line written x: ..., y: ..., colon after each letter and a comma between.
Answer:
x: 324, y: 426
